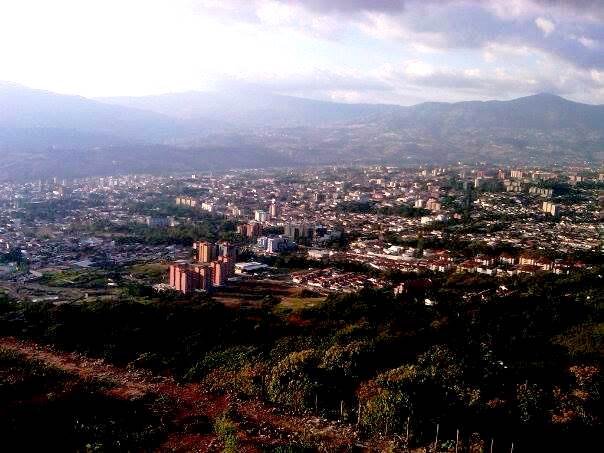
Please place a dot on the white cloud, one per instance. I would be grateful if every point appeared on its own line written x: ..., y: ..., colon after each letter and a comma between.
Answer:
x: 545, y: 25
x: 417, y: 68
x: 588, y: 42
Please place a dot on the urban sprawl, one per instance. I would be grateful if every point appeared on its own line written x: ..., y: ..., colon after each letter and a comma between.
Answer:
x: 328, y: 229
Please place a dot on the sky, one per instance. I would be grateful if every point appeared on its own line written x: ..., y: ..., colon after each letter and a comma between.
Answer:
x: 376, y: 51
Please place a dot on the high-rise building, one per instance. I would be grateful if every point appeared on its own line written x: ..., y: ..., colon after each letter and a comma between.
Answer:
x: 260, y: 215
x: 219, y: 272
x: 273, y: 210
x: 205, y: 276
x: 184, y: 279
x: 298, y: 231
x: 229, y: 265
x: 228, y: 249
x: 206, y: 252
x: 187, y: 278
x: 253, y: 229
x: 551, y: 208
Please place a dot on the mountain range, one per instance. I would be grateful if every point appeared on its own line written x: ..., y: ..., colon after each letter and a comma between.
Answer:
x: 48, y: 134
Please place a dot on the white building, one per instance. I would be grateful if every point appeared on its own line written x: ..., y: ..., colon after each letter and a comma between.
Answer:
x: 260, y: 215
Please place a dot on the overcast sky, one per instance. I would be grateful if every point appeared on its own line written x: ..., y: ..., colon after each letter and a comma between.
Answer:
x: 392, y: 51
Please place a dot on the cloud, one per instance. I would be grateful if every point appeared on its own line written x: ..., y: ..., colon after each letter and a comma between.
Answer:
x: 349, y: 6
x: 504, y: 8
x: 546, y: 26
x: 417, y: 80
x: 474, y: 49
x: 414, y: 81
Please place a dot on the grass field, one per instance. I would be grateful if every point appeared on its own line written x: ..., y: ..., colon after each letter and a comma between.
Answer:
x: 298, y: 303
x: 75, y: 278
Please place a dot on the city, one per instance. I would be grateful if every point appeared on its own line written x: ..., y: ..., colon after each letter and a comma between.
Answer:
x: 492, y: 221
x: 277, y: 250
x: 298, y: 226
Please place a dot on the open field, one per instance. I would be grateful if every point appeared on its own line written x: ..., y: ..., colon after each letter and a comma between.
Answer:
x: 298, y: 303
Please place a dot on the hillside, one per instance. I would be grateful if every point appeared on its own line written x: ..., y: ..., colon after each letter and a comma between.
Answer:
x: 47, y: 134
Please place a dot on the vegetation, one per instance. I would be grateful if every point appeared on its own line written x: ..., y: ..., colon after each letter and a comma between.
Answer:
x: 522, y: 365
x: 49, y: 411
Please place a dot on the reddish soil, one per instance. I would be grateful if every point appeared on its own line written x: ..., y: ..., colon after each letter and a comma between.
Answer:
x: 258, y: 424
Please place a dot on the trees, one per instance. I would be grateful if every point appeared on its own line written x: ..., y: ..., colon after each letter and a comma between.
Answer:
x: 294, y: 381
x: 386, y: 401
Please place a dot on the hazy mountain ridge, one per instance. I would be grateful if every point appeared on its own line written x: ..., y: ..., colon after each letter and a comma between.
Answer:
x: 540, y: 111
x: 37, y: 110
x: 255, y: 129
x: 250, y: 108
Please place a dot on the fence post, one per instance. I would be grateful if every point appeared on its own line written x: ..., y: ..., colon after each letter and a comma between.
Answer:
x: 407, y: 434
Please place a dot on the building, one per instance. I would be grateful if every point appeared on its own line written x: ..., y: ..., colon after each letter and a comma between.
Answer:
x: 273, y: 210
x: 260, y: 215
x: 296, y: 231
x: 227, y: 249
x: 518, y: 174
x: 228, y: 265
x: 433, y: 205
x: 219, y: 272
x: 275, y: 244
x: 574, y: 179
x: 534, y: 190
x: 252, y: 230
x: 187, y: 278
x: 205, y: 276
x: 183, y: 278
x: 186, y: 201
x: 551, y: 208
x: 253, y: 266
x: 157, y: 222
x: 206, y: 252
x: 318, y: 254
x: 512, y: 186
x: 207, y: 206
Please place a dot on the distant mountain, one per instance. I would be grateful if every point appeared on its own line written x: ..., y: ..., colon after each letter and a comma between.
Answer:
x: 43, y: 119
x: 245, y: 108
x: 261, y: 109
x: 541, y: 112
x: 252, y: 128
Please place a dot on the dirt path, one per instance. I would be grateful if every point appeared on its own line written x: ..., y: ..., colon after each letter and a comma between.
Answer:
x: 258, y: 424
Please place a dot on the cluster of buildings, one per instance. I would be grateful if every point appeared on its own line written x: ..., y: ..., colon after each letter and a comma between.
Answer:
x: 334, y: 280
x: 380, y: 255
x: 374, y: 215
x: 214, y: 264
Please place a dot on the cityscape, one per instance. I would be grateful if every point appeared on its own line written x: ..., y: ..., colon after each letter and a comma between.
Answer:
x: 298, y: 226
x: 485, y: 220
